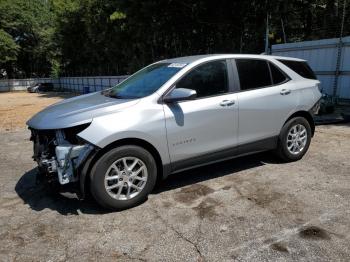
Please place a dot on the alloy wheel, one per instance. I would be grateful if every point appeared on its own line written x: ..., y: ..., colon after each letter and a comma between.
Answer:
x: 296, y: 139
x: 126, y: 178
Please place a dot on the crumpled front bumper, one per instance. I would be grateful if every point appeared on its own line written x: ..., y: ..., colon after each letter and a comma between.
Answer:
x: 57, y: 158
x: 68, y: 160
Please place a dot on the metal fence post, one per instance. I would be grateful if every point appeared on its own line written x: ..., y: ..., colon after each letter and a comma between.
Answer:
x: 339, y: 57
x: 59, y: 83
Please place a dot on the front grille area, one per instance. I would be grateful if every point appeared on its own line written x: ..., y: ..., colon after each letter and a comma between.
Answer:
x: 52, y: 147
x: 44, y: 143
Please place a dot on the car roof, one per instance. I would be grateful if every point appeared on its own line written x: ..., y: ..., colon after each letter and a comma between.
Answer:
x: 191, y: 59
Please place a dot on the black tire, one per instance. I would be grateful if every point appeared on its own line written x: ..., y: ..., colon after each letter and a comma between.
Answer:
x: 282, y: 149
x: 98, y: 171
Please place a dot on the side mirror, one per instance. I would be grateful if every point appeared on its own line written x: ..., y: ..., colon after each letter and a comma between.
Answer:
x: 180, y: 94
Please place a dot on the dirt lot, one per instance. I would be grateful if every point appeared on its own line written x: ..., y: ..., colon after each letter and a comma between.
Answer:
x: 17, y: 107
x: 248, y: 209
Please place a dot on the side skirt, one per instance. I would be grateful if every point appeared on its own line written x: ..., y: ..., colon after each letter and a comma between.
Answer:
x: 230, y: 153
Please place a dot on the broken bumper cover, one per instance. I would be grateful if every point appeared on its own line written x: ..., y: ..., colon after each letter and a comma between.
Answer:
x: 67, y: 161
x: 60, y: 154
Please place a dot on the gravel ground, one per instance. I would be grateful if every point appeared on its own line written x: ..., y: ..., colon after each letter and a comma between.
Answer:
x: 249, y: 209
x: 17, y: 107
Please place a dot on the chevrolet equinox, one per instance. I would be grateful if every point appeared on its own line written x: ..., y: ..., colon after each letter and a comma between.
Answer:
x: 174, y: 115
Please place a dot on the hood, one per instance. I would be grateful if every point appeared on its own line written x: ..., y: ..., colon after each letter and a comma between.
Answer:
x: 77, y: 110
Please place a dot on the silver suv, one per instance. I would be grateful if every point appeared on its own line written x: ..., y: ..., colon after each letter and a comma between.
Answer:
x: 174, y: 115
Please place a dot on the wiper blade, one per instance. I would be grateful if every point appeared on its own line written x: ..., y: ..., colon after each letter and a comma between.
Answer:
x: 121, y: 97
x: 116, y: 96
x: 109, y: 94
x: 106, y: 92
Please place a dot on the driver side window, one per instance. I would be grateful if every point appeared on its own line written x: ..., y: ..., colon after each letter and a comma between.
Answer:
x: 209, y: 79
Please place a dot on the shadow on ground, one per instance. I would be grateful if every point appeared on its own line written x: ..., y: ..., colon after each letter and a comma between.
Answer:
x: 345, y: 124
x: 229, y: 167
x: 40, y: 197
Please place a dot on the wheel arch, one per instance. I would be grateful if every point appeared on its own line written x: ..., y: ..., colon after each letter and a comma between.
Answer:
x: 305, y: 114
x: 85, y: 172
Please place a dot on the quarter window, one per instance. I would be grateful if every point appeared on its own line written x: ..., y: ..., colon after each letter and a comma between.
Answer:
x: 277, y: 76
x: 253, y: 73
x: 208, y: 80
x: 300, y: 67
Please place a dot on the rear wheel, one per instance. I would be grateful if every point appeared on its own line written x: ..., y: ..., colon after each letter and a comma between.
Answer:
x: 294, y: 139
x: 123, y: 177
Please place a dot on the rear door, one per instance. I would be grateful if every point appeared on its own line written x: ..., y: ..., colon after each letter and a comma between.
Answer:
x: 266, y: 99
x: 204, y: 129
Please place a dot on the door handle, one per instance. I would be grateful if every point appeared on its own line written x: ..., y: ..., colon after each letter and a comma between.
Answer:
x: 227, y: 103
x: 285, y: 92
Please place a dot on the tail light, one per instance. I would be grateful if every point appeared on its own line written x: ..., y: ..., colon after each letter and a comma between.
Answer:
x: 318, y: 85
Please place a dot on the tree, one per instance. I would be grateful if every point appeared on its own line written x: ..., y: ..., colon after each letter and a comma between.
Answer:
x: 8, y: 48
x: 94, y: 37
x: 29, y: 25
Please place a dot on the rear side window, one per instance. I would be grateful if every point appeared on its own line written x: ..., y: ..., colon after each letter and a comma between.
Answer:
x: 209, y: 79
x: 277, y: 76
x: 253, y: 73
x: 300, y: 67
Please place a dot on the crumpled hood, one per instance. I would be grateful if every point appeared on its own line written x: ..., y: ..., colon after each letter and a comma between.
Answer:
x: 77, y: 110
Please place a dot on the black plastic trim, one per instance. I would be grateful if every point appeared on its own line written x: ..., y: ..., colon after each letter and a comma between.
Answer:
x: 315, y: 108
x: 222, y: 155
x: 83, y: 172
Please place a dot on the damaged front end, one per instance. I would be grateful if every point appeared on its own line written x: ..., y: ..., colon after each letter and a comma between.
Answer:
x: 60, y: 153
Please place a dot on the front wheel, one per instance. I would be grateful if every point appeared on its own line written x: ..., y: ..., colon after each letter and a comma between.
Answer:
x: 123, y: 177
x: 294, y: 139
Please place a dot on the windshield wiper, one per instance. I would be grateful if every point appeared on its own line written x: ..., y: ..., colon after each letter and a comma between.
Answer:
x: 115, y: 96
x: 109, y: 94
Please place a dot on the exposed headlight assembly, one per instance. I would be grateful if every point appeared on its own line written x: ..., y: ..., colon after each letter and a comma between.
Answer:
x: 70, y: 153
x: 69, y: 157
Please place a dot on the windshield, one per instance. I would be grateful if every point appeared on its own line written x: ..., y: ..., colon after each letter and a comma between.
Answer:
x: 146, y: 81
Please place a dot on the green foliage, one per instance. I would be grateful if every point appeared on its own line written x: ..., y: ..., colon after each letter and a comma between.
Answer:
x: 30, y: 26
x: 117, y: 15
x: 8, y: 48
x: 55, y: 68
x: 91, y: 37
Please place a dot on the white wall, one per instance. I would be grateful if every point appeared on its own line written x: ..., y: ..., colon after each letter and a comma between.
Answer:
x: 22, y: 84
x: 74, y: 84
x: 95, y: 83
